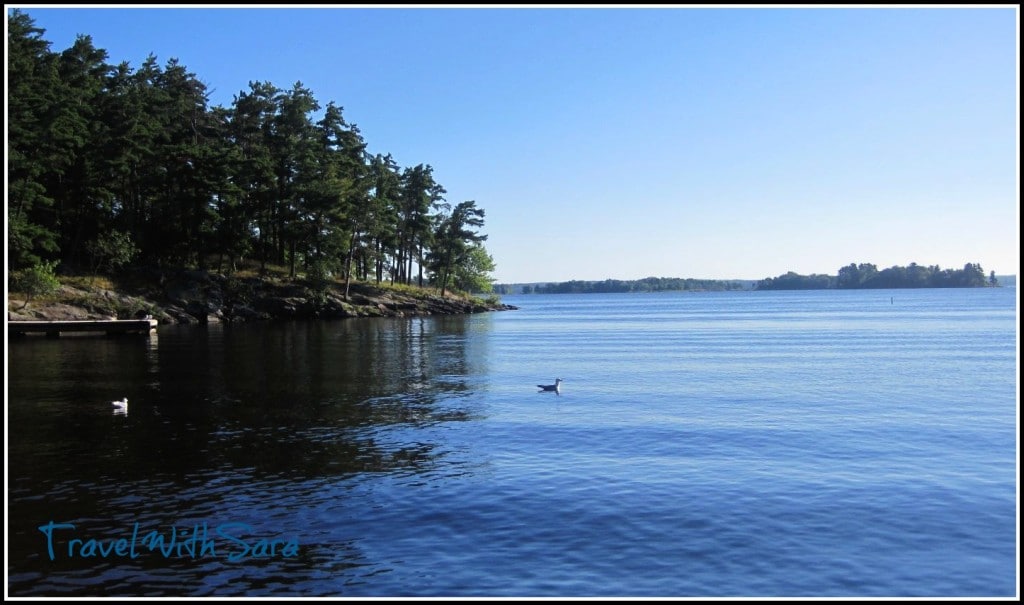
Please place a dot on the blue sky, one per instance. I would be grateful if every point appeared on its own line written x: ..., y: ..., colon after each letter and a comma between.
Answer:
x: 717, y: 143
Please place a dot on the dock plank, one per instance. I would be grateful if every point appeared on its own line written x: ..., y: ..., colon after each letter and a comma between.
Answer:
x: 108, y: 326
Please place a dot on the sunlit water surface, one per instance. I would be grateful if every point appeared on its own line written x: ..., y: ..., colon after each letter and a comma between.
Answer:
x: 703, y: 444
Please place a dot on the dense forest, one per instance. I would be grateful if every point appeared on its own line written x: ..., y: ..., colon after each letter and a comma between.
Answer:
x: 865, y: 275
x: 111, y: 168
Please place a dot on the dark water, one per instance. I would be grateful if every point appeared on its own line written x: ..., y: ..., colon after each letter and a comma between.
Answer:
x: 719, y: 444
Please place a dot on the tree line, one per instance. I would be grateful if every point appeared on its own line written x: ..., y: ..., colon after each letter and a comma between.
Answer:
x: 112, y: 167
x: 852, y: 276
x: 647, y: 284
x: 866, y: 275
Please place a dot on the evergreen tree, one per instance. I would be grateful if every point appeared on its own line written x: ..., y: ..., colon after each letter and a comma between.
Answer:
x: 227, y: 230
x: 384, y: 209
x: 293, y: 149
x: 453, y: 240
x: 420, y: 196
x: 79, y: 186
x: 31, y: 80
x: 249, y: 131
x: 119, y: 166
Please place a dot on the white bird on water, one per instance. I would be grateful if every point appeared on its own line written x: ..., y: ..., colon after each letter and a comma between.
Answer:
x: 121, y: 405
x: 557, y: 387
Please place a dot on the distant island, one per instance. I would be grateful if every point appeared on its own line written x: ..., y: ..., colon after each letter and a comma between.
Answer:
x: 647, y: 284
x: 850, y: 277
x: 867, y: 276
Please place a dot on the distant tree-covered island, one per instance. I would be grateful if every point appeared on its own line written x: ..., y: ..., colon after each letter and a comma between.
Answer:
x: 647, y: 284
x: 868, y: 276
x: 853, y: 276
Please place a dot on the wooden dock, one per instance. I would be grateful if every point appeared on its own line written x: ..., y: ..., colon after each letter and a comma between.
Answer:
x: 110, y: 327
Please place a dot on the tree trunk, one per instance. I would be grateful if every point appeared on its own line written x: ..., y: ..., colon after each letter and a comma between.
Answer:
x: 348, y: 264
x: 291, y: 259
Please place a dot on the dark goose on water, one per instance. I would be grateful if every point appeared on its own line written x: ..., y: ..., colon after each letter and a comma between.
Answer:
x: 551, y: 387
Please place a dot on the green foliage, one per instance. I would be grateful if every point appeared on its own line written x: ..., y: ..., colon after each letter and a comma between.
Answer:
x: 473, y: 273
x: 454, y: 238
x: 647, y: 284
x: 319, y: 281
x: 113, y: 166
x: 26, y: 241
x: 111, y: 251
x: 419, y: 194
x: 865, y: 276
x: 492, y: 300
x: 794, y: 281
x: 36, y: 281
x: 31, y: 77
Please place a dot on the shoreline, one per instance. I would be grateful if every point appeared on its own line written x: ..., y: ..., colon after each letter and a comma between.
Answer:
x: 200, y: 297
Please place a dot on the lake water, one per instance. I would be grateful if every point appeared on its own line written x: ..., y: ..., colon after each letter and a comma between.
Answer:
x: 822, y: 443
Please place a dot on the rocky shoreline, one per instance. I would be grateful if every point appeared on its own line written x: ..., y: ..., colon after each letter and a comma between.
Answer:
x: 199, y: 297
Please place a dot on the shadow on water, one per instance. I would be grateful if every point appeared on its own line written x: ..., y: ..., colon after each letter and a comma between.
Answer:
x: 273, y: 425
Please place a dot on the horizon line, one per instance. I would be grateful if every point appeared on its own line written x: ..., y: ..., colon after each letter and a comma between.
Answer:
x: 512, y: 283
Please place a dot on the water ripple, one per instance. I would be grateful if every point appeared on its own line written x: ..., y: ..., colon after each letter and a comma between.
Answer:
x: 728, y: 445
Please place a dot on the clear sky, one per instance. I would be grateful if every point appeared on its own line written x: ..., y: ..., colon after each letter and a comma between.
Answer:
x: 717, y: 143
